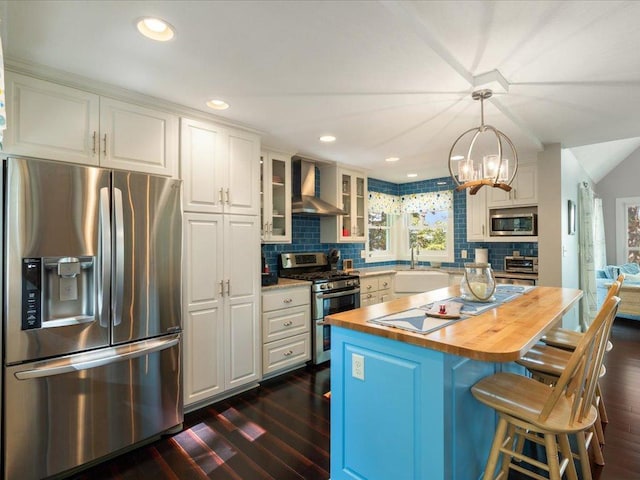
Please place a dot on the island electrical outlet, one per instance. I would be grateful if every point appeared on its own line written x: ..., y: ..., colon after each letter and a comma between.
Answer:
x: 357, y: 366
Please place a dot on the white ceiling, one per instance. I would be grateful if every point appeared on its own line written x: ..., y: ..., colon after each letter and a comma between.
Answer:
x: 387, y: 78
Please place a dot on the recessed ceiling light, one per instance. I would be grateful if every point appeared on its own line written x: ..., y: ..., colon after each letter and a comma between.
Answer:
x: 412, y: 175
x: 155, y: 29
x: 327, y: 138
x: 392, y: 159
x: 217, y: 104
x: 457, y: 157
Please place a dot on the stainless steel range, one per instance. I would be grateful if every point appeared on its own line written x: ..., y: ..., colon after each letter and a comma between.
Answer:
x: 332, y: 291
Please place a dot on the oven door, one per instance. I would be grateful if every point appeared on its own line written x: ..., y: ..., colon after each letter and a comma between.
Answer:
x: 327, y: 304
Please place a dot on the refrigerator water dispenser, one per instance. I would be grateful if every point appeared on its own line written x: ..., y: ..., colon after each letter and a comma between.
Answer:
x: 58, y: 291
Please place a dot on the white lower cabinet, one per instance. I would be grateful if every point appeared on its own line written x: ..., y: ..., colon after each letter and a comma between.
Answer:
x: 286, y: 328
x: 375, y: 289
x: 221, y: 274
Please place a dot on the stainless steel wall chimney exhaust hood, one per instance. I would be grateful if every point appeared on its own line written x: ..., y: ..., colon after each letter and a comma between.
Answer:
x: 304, y: 189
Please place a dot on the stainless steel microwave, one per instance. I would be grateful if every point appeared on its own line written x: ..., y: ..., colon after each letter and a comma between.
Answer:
x: 513, y: 224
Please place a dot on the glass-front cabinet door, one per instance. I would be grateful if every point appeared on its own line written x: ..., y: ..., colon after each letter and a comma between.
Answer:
x: 353, y: 202
x: 348, y: 190
x: 275, y: 205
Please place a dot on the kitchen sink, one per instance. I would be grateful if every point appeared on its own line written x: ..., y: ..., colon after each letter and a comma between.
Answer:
x: 418, y: 281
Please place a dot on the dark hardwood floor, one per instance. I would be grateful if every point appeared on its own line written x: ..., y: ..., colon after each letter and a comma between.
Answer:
x: 621, y: 390
x: 281, y: 430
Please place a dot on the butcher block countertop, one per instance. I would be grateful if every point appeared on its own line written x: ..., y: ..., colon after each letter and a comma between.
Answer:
x: 502, y: 334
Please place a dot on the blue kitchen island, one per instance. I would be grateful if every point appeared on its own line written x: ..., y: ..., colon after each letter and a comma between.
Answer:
x: 401, y: 406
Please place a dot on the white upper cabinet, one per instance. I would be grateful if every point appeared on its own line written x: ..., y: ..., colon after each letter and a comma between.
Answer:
x: 275, y: 205
x: 524, y: 189
x: 220, y: 168
x: 56, y: 122
x: 242, y: 189
x: 200, y: 166
x: 477, y: 215
x: 346, y: 189
x: 138, y: 138
x: 47, y: 120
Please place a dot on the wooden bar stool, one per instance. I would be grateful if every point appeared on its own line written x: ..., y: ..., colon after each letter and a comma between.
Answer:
x: 545, y: 414
x: 546, y: 363
x: 568, y: 339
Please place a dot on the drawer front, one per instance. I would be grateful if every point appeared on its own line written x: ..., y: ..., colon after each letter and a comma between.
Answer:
x: 285, y: 323
x: 384, y: 296
x: 290, y: 297
x: 384, y: 282
x: 368, y: 284
x: 367, y: 299
x: 286, y: 353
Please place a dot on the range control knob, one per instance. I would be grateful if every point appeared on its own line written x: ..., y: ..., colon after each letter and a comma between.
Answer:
x: 323, y: 286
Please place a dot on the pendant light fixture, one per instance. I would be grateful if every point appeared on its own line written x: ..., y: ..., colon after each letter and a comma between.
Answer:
x: 484, y: 161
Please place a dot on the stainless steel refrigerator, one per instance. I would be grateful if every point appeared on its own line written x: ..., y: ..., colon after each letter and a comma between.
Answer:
x: 91, y: 312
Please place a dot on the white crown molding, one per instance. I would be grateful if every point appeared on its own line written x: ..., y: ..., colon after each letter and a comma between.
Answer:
x: 107, y: 90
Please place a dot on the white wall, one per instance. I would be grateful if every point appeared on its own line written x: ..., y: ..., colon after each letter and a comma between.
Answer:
x: 559, y: 175
x: 622, y: 181
x: 549, y: 216
x: 572, y: 176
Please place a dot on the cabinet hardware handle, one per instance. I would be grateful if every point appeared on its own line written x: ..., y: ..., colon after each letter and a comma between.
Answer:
x: 105, y: 144
x: 368, y: 287
x: 271, y: 228
x: 288, y: 300
x: 228, y: 198
x: 265, y: 228
x: 385, y: 284
x: 483, y: 230
x: 228, y: 288
x: 288, y: 324
x: 221, y: 291
x: 288, y: 353
x: 94, y: 142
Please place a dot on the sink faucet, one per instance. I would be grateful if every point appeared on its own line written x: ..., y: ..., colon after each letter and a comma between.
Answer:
x: 413, y: 262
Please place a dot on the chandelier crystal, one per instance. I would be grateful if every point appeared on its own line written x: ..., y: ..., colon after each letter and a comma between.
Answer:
x: 483, y: 162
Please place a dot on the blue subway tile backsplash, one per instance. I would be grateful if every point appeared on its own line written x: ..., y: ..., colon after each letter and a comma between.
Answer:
x: 306, y: 230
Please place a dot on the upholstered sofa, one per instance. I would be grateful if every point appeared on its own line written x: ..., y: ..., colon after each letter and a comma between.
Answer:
x: 630, y: 291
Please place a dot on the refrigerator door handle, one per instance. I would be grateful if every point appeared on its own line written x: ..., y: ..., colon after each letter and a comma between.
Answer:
x: 118, y: 226
x: 104, y: 286
x: 100, y: 358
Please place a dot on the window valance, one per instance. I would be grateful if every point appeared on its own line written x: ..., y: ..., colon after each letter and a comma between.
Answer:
x: 412, y: 203
x: 384, y: 203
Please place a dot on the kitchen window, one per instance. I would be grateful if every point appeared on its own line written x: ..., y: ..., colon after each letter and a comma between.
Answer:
x: 429, y: 232
x: 424, y: 220
x: 380, y: 235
